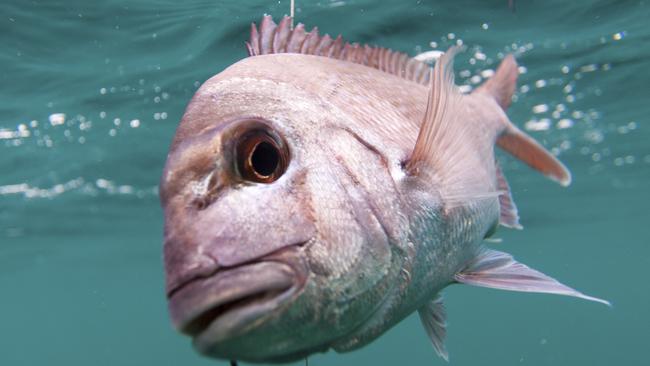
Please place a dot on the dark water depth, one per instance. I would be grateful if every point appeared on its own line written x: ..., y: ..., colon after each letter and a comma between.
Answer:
x: 91, y: 93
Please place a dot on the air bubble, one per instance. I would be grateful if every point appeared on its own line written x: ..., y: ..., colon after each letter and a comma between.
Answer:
x: 540, y: 108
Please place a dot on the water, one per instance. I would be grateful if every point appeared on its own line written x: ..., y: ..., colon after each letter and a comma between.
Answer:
x: 92, y: 92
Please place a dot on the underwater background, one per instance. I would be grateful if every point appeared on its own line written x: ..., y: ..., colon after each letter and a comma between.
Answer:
x: 91, y: 93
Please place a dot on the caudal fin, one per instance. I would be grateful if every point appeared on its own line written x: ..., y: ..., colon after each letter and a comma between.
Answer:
x: 526, y: 149
x: 503, y: 83
x: 501, y: 87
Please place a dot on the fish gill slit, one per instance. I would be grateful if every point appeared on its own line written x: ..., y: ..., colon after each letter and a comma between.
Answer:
x: 382, y: 158
x: 307, y: 201
x: 368, y: 145
x: 367, y: 199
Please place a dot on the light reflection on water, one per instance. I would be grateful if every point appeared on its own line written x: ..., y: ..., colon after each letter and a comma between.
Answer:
x: 99, y: 187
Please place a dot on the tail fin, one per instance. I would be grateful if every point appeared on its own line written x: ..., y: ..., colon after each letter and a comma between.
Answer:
x: 501, y: 87
x: 523, y: 147
x: 503, y: 83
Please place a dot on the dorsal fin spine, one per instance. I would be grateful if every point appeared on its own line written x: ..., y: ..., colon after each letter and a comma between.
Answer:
x: 254, y: 43
x: 311, y: 42
x: 266, y: 32
x: 282, y: 34
x: 323, y: 44
x: 297, y: 38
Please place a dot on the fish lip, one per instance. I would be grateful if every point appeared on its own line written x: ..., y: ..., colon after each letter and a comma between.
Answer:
x: 204, y: 273
x: 232, y: 300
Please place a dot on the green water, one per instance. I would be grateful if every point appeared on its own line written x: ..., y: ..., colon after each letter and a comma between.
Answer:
x: 81, y: 280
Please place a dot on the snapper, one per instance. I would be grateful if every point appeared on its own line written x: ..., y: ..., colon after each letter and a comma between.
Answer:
x: 318, y: 192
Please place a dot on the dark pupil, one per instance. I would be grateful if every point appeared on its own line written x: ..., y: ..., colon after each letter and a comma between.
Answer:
x: 265, y: 159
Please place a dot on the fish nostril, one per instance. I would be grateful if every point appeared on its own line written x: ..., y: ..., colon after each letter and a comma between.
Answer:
x: 209, y: 190
x: 201, y: 203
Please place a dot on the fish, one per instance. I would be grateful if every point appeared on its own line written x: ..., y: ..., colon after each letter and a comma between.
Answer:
x: 318, y: 192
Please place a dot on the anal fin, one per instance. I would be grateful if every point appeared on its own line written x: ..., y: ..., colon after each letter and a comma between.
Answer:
x: 509, y: 216
x: 499, y: 270
x: 434, y: 319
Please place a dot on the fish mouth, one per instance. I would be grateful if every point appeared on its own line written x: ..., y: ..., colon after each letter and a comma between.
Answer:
x: 232, y: 301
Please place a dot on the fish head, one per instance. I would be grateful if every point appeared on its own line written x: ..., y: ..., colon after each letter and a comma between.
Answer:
x: 271, y: 252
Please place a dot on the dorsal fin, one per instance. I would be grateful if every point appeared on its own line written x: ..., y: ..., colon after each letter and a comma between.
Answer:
x: 280, y: 38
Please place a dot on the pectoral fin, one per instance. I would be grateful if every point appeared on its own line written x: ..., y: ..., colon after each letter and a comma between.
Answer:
x: 499, y: 270
x: 439, y: 132
x: 434, y: 320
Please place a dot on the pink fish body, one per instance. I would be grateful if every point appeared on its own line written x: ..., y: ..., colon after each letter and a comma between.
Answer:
x: 319, y: 192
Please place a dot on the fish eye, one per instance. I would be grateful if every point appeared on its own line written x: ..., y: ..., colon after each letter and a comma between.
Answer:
x: 261, y: 156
